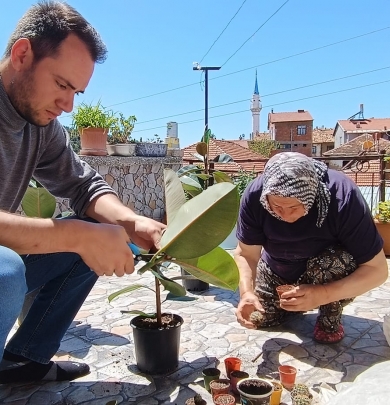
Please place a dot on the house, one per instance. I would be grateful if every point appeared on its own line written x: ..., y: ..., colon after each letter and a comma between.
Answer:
x: 365, y: 173
x: 244, y: 158
x: 347, y: 130
x: 323, y: 141
x: 292, y: 130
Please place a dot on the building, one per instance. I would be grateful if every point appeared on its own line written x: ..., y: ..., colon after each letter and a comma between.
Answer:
x: 292, y: 130
x: 323, y: 141
x: 256, y: 109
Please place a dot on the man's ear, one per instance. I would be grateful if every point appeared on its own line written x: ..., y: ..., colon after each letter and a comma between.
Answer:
x: 21, y: 54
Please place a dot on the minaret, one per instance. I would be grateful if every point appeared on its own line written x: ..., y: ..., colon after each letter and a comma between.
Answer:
x: 255, y: 108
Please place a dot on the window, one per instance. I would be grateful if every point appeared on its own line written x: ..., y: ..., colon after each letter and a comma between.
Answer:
x: 301, y: 130
x: 284, y: 146
x: 329, y: 147
x: 314, y: 150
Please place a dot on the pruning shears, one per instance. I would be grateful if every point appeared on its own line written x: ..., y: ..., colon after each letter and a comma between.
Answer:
x: 138, y: 256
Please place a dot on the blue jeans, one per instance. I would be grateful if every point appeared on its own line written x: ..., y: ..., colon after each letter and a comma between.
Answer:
x: 65, y: 280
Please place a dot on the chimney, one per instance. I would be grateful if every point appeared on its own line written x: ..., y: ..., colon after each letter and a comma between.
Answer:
x: 301, y: 111
x: 361, y: 109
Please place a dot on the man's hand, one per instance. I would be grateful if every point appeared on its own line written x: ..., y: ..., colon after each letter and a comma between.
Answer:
x: 145, y: 232
x: 248, y: 303
x: 104, y: 248
x: 304, y: 297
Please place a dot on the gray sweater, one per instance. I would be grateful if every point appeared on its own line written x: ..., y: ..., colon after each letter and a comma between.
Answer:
x: 44, y: 153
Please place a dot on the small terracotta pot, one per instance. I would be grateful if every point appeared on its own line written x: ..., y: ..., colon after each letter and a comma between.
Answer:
x: 276, y: 396
x: 220, y: 386
x: 224, y: 399
x: 232, y: 363
x: 280, y: 289
x: 235, y: 377
x: 287, y: 376
x: 210, y: 374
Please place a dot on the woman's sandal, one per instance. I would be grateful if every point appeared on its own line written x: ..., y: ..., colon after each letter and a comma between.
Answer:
x: 321, y: 336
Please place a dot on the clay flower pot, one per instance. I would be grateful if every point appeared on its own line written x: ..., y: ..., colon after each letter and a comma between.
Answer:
x: 220, y: 386
x: 280, y: 289
x: 235, y: 377
x: 210, y: 374
x: 287, y: 376
x: 224, y: 399
x: 255, y: 391
x: 232, y: 363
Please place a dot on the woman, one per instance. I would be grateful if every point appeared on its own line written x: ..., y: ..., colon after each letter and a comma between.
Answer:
x: 302, y: 224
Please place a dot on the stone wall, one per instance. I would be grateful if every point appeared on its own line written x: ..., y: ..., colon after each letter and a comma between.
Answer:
x: 137, y: 180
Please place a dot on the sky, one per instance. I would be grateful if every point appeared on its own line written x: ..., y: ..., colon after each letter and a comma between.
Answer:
x: 326, y: 57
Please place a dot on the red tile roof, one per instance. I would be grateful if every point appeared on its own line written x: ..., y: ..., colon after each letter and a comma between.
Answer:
x: 244, y: 159
x: 355, y: 147
x: 370, y: 124
x: 300, y: 115
x: 323, y: 135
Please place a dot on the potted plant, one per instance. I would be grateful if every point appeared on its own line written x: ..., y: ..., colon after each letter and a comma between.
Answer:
x: 153, y: 147
x: 197, y: 178
x: 119, y: 141
x: 93, y: 123
x: 256, y: 391
x: 382, y: 223
x: 208, y: 218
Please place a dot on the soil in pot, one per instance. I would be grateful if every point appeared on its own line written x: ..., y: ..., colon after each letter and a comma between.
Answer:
x: 220, y: 386
x: 168, y: 321
x: 224, y: 399
x: 255, y: 387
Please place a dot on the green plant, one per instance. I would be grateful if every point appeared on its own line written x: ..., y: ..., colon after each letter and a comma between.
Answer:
x: 156, y: 139
x: 92, y: 116
x: 383, y: 212
x: 263, y: 146
x: 37, y: 201
x: 196, y: 179
x: 195, y: 229
x: 121, y: 130
x: 242, y: 179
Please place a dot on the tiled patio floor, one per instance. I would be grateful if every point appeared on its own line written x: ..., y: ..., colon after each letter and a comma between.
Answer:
x: 102, y: 337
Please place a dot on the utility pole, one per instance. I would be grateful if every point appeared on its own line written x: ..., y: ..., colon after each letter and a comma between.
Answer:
x: 206, y: 93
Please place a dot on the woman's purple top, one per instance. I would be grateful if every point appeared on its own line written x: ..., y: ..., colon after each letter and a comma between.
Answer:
x: 288, y: 246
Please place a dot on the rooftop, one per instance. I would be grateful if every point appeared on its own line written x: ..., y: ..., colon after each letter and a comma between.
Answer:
x: 101, y: 336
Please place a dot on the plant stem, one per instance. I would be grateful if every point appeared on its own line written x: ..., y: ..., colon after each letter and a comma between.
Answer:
x: 158, y: 302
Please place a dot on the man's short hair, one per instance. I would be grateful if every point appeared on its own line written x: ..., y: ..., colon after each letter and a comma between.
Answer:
x: 48, y: 23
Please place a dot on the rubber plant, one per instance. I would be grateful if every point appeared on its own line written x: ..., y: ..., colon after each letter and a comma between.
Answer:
x: 194, y: 230
x: 197, y: 178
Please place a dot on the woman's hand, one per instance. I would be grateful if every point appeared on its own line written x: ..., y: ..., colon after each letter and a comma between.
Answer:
x: 304, y: 297
x: 248, y: 303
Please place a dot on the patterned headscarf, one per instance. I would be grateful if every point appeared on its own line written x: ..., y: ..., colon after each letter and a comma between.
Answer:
x: 291, y: 174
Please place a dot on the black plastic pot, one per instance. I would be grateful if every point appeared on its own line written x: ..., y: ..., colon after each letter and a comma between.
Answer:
x: 193, y: 284
x: 157, y: 350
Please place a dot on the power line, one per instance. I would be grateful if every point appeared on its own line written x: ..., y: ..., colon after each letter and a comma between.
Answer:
x: 261, y: 26
x: 267, y: 95
x: 249, y: 68
x: 219, y: 36
x: 273, y: 105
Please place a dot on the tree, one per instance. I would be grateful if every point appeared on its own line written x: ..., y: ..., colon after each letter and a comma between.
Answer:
x: 263, y: 146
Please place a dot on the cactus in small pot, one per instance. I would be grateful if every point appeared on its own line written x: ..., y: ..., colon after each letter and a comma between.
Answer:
x: 301, y: 400
x: 300, y: 389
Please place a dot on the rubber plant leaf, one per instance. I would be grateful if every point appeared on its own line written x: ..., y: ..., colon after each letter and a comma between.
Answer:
x: 38, y: 202
x: 206, y: 136
x: 174, y: 194
x: 170, y: 285
x: 223, y: 158
x: 201, y: 148
x: 216, y: 267
x: 125, y: 290
x: 202, y: 223
x: 221, y: 177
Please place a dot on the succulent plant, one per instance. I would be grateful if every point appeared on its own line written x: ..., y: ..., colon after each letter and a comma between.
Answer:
x: 301, y: 400
x: 300, y: 389
x: 256, y: 318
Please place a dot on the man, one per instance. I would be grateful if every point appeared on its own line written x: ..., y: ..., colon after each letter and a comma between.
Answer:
x: 302, y: 224
x: 50, y: 57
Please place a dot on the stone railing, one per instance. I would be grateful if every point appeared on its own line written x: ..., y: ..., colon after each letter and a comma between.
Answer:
x: 137, y: 180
